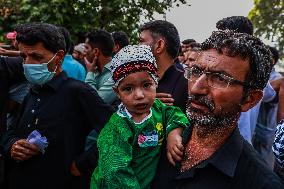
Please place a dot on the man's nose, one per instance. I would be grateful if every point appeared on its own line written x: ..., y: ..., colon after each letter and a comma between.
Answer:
x: 199, y: 86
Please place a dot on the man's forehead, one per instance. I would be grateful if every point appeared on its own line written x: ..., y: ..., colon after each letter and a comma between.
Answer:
x: 213, y: 60
x: 208, y: 57
x: 33, y: 49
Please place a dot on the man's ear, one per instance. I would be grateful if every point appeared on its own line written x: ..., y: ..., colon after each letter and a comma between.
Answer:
x: 59, y: 57
x: 116, y: 48
x: 116, y: 91
x: 96, y: 52
x: 253, y: 97
x: 160, y: 45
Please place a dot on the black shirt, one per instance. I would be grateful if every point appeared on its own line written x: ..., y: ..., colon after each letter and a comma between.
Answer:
x: 174, y: 83
x: 235, y: 165
x: 65, y: 111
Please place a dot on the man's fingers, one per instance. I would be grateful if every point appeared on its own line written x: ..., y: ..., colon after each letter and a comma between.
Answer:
x: 19, y: 156
x: 27, y: 147
x: 180, y: 147
x: 163, y: 95
x: 169, y: 104
x: 23, y: 150
x: 86, y: 61
x: 175, y: 157
x: 178, y: 151
x: 166, y: 100
x: 18, y: 149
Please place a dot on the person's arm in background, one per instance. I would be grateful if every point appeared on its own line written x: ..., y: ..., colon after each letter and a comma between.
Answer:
x: 278, y: 86
x: 11, y: 73
x: 280, y: 112
x: 11, y: 53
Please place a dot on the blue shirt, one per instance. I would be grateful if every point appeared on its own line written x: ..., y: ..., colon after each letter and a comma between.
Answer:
x: 73, y: 68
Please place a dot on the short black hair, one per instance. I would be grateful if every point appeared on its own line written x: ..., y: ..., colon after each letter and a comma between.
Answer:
x: 188, y: 41
x: 275, y: 53
x: 36, y: 32
x: 165, y: 29
x: 101, y: 39
x: 194, y: 45
x: 67, y: 38
x: 239, y: 24
x: 120, y: 38
x: 247, y: 47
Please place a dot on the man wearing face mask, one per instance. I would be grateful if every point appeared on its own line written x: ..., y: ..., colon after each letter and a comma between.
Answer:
x: 61, y: 109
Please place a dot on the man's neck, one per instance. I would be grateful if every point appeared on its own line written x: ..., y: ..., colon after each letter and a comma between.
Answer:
x: 163, y: 64
x: 203, y: 144
x: 205, y: 136
x: 102, y: 62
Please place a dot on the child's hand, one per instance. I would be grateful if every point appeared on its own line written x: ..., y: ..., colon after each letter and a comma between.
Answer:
x: 174, y: 146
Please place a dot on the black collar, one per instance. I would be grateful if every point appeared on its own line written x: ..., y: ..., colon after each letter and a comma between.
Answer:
x: 55, y: 83
x: 225, y: 159
x: 170, y: 71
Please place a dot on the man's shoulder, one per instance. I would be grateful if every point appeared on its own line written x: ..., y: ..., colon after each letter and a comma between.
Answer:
x: 10, y: 62
x: 252, y: 167
x: 173, y: 77
x: 71, y: 84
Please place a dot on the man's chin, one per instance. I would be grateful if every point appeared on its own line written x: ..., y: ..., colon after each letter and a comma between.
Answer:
x: 209, y: 120
x: 197, y: 118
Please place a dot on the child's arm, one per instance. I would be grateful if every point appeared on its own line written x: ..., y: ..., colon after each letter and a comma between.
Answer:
x: 176, y: 121
x: 174, y: 145
x: 115, y: 156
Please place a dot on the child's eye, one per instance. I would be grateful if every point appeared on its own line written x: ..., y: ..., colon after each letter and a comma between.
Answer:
x: 127, y: 89
x: 147, y: 85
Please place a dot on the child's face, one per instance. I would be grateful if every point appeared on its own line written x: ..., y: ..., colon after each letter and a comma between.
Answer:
x: 137, y: 91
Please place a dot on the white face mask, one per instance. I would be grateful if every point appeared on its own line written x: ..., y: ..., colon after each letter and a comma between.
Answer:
x: 39, y: 74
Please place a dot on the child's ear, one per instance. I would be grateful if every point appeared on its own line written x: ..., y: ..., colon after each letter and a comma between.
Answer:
x: 116, y: 91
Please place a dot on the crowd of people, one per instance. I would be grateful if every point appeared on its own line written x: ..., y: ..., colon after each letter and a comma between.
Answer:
x: 161, y: 114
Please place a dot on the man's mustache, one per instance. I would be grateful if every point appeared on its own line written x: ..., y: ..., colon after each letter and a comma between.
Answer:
x: 202, y: 100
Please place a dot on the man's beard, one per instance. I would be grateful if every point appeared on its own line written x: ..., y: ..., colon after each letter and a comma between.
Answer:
x: 211, y: 121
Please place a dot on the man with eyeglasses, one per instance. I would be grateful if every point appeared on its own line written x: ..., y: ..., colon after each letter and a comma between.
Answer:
x: 226, y: 79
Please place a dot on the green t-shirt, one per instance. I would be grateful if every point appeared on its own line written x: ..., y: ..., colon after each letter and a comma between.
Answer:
x: 129, y: 152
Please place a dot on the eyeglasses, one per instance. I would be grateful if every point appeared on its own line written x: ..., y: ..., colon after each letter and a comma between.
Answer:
x: 214, y: 79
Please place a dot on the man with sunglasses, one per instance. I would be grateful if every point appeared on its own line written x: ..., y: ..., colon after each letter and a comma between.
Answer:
x: 226, y: 79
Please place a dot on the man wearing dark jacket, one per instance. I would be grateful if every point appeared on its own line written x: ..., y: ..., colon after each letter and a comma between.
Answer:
x: 61, y: 109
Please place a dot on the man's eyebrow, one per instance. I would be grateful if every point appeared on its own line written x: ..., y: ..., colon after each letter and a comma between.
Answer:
x: 220, y: 72
x: 195, y: 64
x: 35, y: 54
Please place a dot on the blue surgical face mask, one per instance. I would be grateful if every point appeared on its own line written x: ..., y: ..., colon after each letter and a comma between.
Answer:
x: 39, y: 74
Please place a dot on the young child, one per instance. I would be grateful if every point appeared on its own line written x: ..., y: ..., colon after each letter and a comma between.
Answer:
x: 130, y: 143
